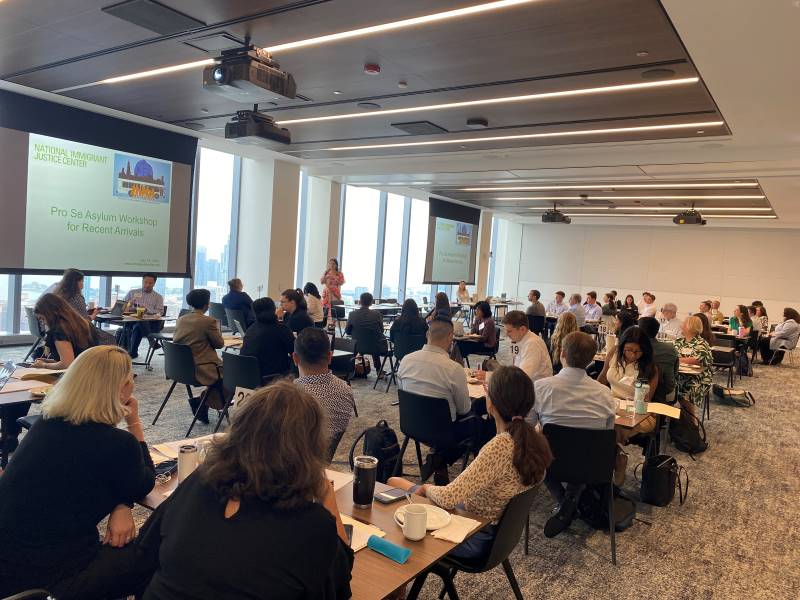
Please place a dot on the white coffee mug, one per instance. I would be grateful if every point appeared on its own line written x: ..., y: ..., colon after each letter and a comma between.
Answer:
x: 91, y: 305
x: 415, y: 522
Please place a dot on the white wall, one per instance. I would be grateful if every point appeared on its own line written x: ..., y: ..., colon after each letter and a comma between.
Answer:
x: 682, y: 264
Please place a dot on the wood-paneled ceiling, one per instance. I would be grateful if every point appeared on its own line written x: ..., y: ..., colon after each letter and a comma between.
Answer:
x: 531, y: 48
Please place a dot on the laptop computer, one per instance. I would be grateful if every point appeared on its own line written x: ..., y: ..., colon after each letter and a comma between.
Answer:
x: 6, y: 371
x: 116, y: 310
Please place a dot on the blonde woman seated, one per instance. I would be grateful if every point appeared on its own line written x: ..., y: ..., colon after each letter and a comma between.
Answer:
x: 567, y: 323
x: 693, y: 350
x: 510, y: 463
x: 72, y: 469
x: 258, y: 519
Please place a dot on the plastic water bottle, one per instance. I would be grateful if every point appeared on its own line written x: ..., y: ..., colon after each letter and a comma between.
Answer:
x: 640, y: 390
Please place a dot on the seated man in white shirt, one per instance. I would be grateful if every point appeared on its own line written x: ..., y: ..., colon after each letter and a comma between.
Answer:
x: 576, y: 308
x: 528, y: 350
x: 671, y: 325
x: 557, y: 306
x: 648, y: 306
x: 592, y: 309
x: 572, y: 399
x: 431, y: 372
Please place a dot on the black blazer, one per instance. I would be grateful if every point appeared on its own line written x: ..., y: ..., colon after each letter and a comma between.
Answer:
x: 271, y: 344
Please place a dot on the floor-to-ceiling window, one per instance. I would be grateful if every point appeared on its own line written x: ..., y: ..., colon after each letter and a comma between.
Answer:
x: 417, y: 245
x: 215, y: 199
x: 360, y: 241
x: 392, y: 247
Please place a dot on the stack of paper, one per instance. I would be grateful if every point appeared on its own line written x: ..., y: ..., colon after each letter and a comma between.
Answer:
x: 361, y: 532
x: 457, y: 530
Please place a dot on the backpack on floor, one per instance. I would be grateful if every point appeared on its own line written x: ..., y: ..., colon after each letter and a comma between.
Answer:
x: 660, y: 475
x: 733, y: 396
x: 743, y: 366
x: 688, y: 434
x: 363, y: 366
x: 593, y: 508
x: 380, y: 441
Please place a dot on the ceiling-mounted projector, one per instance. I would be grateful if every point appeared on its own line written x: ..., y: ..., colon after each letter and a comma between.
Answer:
x: 555, y: 216
x: 253, y: 127
x: 689, y: 217
x: 250, y: 75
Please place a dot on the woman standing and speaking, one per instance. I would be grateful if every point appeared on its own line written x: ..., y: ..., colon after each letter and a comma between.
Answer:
x: 332, y: 280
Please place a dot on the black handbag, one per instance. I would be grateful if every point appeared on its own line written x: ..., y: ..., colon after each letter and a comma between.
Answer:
x: 661, y: 474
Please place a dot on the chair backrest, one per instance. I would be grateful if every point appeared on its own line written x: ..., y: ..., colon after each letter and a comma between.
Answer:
x: 232, y: 315
x: 723, y: 359
x: 338, y: 311
x: 179, y: 363
x: 240, y: 371
x: 184, y: 311
x: 406, y: 343
x: 509, y: 528
x: 728, y: 342
x: 346, y: 344
x: 536, y: 324
x: 496, y: 339
x: 581, y: 455
x: 370, y: 341
x: 426, y: 419
x: 217, y: 311
x: 34, y: 326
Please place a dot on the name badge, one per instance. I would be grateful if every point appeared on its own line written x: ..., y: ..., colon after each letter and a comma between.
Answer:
x: 481, y: 326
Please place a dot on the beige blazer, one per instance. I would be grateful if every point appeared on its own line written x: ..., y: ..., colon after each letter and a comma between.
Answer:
x: 201, y: 333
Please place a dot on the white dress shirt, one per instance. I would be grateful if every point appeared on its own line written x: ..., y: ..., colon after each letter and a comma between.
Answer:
x: 574, y: 399
x: 530, y: 354
x: 647, y: 310
x: 431, y: 372
x: 554, y: 308
x: 593, y: 311
x: 672, y: 328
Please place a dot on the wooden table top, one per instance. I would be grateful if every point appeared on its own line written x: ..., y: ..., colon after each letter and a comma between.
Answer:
x: 18, y: 397
x: 374, y: 576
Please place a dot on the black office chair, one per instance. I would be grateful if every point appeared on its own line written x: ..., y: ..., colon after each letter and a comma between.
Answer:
x: 507, y: 534
x: 333, y: 444
x: 536, y: 324
x: 755, y: 336
x: 236, y: 320
x: 339, y: 316
x: 28, y: 421
x: 180, y: 368
x: 404, y: 343
x: 155, y: 339
x: 490, y: 352
x: 584, y: 456
x: 724, y: 361
x: 217, y: 311
x: 373, y: 343
x: 35, y: 327
x: 237, y: 371
x: 427, y: 421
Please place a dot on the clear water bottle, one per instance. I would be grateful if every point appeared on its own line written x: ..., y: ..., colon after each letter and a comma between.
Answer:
x: 640, y: 390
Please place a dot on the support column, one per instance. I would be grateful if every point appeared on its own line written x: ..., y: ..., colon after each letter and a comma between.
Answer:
x: 484, y: 249
x: 267, y: 245
x: 320, y: 235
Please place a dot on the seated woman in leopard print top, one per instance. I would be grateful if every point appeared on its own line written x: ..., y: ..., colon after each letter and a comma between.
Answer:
x: 513, y: 461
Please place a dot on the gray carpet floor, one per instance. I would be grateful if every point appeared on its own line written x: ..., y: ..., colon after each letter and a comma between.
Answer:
x: 737, y: 535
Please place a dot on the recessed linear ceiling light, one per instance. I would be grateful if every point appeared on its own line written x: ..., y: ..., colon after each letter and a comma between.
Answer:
x: 608, y: 186
x: 324, y: 39
x: 141, y: 75
x: 659, y: 208
x: 666, y: 216
x: 560, y: 198
x: 527, y: 136
x: 627, y: 87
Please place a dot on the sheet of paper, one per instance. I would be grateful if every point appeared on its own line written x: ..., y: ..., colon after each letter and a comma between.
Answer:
x: 339, y: 479
x: 361, y: 532
x: 170, y: 449
x: 659, y: 408
x: 14, y: 385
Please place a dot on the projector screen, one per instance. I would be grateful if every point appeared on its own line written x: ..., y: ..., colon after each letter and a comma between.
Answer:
x: 452, y: 243
x: 100, y: 209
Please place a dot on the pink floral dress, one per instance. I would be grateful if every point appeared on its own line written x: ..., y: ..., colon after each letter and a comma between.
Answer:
x: 332, y: 280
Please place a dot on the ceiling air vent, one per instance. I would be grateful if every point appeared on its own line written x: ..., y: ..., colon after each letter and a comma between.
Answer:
x: 153, y: 15
x: 215, y: 42
x: 420, y: 128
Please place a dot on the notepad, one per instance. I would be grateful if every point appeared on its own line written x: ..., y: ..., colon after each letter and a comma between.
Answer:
x: 25, y: 373
x: 361, y: 532
x: 659, y: 408
x: 339, y: 479
x: 20, y: 386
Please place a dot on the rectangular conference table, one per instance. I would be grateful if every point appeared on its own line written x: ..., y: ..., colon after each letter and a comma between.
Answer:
x: 374, y: 576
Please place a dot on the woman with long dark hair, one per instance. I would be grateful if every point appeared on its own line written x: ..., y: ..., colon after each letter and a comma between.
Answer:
x: 440, y: 309
x: 515, y: 459
x: 269, y: 340
x: 264, y: 503
x: 740, y: 323
x: 762, y: 319
x: 314, y: 303
x: 333, y: 279
x: 629, y: 306
x: 294, y: 311
x: 484, y: 333
x: 68, y: 333
x: 70, y: 288
x: 409, y: 322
